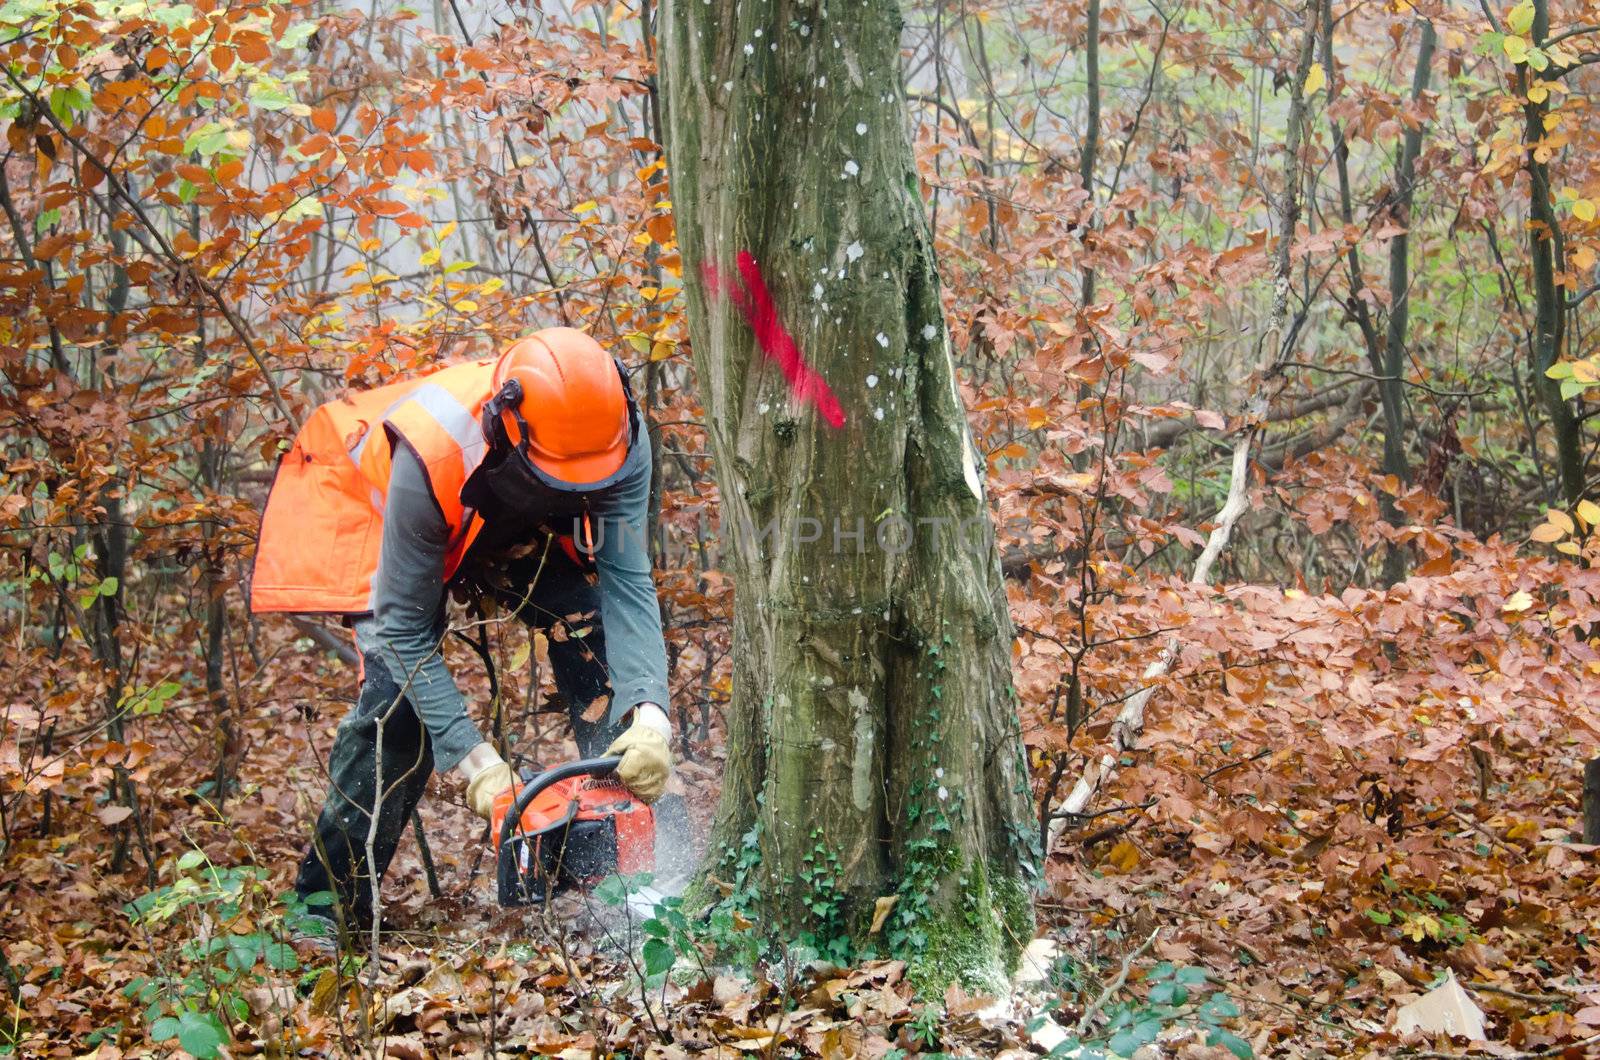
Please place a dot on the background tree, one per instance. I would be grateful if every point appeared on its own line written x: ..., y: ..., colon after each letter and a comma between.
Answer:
x: 874, y: 750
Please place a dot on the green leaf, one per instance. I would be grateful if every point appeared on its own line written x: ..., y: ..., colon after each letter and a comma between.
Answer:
x: 163, y: 1028
x: 190, y: 859
x: 611, y: 891
x: 1168, y: 993
x: 201, y: 1034
x: 298, y: 33
x: 658, y: 957
x: 1232, y: 1042
x: 280, y: 955
x: 108, y: 586
x: 269, y: 96
x: 65, y: 102
x: 244, y: 950
x: 1222, y: 1006
x: 1124, y: 1043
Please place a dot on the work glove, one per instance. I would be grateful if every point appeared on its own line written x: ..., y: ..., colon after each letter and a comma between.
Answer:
x: 487, y: 777
x: 646, y: 757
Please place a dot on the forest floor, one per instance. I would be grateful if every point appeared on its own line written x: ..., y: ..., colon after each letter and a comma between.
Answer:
x: 1128, y: 903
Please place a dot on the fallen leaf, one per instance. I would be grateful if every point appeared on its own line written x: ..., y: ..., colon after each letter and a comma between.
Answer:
x: 1517, y: 601
x: 880, y: 912
x: 110, y: 815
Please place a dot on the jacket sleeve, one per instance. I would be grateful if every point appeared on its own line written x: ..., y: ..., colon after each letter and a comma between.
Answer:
x: 636, y: 653
x: 408, y: 614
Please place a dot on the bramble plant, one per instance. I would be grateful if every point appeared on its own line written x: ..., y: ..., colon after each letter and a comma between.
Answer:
x: 1172, y: 1001
x: 234, y: 936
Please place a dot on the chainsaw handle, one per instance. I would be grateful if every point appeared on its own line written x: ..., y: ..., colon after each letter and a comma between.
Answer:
x: 591, y: 767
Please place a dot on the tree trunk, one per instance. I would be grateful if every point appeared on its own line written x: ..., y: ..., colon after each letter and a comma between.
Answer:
x: 1591, y: 801
x: 874, y: 749
x: 1393, y: 373
x: 1546, y: 257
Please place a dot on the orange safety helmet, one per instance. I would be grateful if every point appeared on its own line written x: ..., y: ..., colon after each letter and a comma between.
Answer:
x: 562, y: 394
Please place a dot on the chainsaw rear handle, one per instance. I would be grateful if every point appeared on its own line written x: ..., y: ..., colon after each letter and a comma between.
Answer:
x: 591, y: 767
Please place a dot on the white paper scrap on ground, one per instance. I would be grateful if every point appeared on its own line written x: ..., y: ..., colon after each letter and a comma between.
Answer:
x: 1446, y: 1009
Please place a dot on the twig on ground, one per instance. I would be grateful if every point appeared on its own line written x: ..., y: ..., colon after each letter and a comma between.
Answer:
x: 1554, y: 1050
x: 1542, y: 999
x: 1116, y: 984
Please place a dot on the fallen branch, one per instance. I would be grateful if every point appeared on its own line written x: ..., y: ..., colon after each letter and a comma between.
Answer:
x: 1554, y: 1050
x: 1116, y: 984
x: 1538, y: 999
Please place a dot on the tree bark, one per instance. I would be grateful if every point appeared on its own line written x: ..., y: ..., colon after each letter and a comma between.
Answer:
x: 1591, y: 801
x: 1393, y: 372
x: 874, y: 748
x: 1546, y: 257
x: 1091, y: 128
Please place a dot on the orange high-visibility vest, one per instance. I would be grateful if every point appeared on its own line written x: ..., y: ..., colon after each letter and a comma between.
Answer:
x: 323, y: 527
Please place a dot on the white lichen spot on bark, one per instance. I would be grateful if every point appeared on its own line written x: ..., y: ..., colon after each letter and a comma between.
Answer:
x: 866, y: 741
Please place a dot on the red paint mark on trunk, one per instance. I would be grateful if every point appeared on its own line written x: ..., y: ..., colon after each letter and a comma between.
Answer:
x: 754, y: 302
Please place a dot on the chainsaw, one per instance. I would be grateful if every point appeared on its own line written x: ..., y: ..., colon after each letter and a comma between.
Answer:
x: 568, y: 827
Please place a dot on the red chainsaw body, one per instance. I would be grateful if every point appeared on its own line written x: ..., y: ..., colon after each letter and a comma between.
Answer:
x: 573, y: 832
